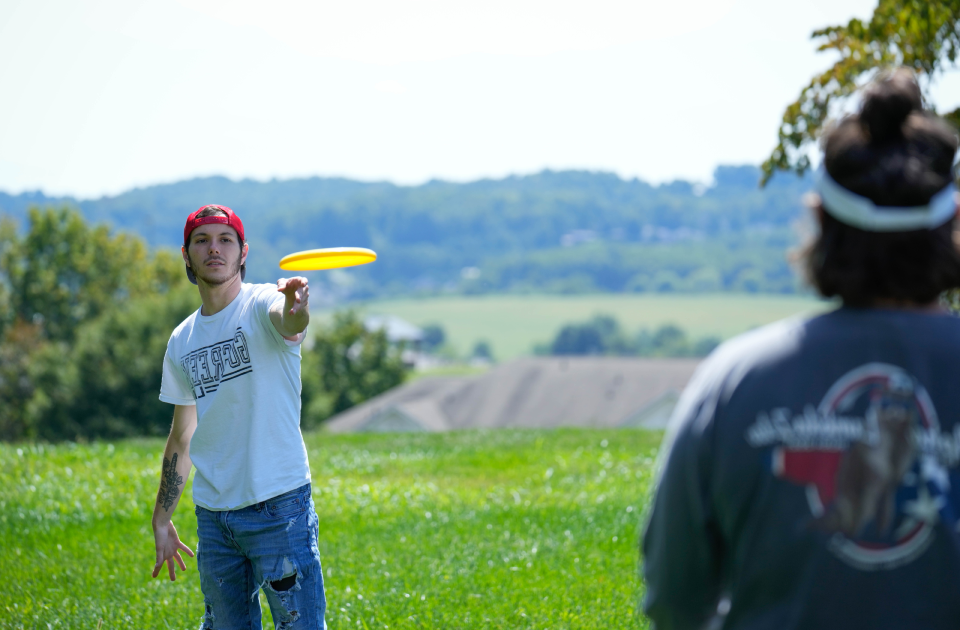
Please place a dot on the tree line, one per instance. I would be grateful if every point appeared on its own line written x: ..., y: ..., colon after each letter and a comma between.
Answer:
x: 604, y: 335
x: 553, y: 232
x: 85, y: 316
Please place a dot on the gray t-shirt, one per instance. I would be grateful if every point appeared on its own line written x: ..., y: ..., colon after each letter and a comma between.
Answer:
x: 811, y: 480
x: 244, y: 378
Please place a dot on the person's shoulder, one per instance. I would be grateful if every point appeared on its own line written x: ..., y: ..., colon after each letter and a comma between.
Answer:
x: 185, y: 325
x: 259, y: 298
x: 259, y: 290
x: 920, y: 328
x: 759, y: 345
x: 252, y: 294
x: 729, y: 363
x: 258, y: 287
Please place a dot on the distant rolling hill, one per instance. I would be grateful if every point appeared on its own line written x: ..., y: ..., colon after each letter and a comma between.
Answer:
x: 554, y: 232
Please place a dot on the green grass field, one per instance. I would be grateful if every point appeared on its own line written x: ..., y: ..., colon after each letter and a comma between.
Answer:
x: 505, y: 529
x: 514, y: 323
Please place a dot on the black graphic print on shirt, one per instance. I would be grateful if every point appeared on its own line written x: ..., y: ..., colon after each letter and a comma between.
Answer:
x: 217, y: 363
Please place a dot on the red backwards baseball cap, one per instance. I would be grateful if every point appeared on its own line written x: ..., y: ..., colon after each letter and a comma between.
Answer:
x: 231, y: 219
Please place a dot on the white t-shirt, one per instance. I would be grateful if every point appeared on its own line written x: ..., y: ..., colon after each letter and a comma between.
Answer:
x: 244, y: 378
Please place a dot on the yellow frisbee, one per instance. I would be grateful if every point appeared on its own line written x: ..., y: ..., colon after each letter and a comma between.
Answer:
x: 329, y: 258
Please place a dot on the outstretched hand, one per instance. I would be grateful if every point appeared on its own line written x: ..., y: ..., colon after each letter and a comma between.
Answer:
x: 296, y: 291
x: 168, y: 549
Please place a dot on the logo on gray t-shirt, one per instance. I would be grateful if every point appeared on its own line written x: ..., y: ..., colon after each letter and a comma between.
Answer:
x: 873, y: 462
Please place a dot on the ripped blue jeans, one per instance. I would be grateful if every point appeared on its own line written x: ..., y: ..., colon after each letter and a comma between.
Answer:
x: 270, y: 545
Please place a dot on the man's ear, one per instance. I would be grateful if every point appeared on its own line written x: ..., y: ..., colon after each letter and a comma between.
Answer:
x: 813, y: 202
x: 816, y: 204
x: 183, y: 252
x: 246, y: 250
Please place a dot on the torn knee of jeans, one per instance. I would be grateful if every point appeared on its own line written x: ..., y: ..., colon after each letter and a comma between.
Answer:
x: 208, y: 616
x: 284, y: 584
x: 288, y: 578
x: 288, y: 622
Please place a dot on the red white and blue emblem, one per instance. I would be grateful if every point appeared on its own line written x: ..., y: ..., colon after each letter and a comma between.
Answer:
x: 873, y: 461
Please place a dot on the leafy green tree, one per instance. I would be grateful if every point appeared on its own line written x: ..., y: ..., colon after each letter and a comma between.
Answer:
x: 921, y: 34
x: 434, y: 337
x: 672, y: 341
x: 347, y: 365
x: 482, y: 350
x: 116, y: 367
x: 18, y: 347
x: 600, y: 335
x: 8, y: 242
x: 603, y: 335
x: 84, y: 321
x: 103, y: 385
x: 63, y: 272
x: 705, y: 345
x: 667, y: 341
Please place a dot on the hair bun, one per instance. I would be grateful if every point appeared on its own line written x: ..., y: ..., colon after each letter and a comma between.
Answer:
x: 887, y: 103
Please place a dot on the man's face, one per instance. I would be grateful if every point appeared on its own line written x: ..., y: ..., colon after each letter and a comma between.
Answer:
x: 214, y: 253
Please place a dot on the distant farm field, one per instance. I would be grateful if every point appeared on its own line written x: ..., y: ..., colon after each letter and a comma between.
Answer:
x: 514, y: 323
x: 505, y: 529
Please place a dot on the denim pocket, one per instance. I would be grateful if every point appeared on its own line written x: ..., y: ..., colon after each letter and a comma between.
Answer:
x: 286, y: 506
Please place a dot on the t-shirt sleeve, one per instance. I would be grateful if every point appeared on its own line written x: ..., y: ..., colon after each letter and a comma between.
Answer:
x: 682, y: 547
x: 174, y: 387
x: 265, y: 300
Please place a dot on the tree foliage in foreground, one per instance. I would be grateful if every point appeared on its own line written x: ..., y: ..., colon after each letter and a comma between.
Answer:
x: 920, y: 34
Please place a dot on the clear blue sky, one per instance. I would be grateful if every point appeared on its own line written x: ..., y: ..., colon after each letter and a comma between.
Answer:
x: 103, y: 95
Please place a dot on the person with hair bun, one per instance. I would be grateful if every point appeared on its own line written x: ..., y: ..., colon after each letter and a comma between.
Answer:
x: 811, y: 471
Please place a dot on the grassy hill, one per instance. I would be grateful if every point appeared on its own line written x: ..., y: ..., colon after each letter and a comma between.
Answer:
x: 505, y: 529
x: 514, y: 323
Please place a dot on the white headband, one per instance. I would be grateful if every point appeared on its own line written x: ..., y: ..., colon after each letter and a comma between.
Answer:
x: 854, y: 210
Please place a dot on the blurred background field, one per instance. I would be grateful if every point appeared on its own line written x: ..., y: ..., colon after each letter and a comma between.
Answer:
x: 512, y: 324
x: 504, y: 529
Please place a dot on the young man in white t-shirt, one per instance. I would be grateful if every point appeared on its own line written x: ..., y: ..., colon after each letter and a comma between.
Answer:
x: 233, y: 371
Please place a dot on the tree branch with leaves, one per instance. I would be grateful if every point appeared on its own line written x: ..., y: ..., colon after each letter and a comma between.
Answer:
x: 921, y: 34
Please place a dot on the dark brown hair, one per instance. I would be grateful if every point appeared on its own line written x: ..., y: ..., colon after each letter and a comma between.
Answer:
x: 895, y: 154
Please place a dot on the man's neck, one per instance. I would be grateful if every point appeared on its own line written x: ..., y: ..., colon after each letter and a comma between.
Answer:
x: 215, y: 298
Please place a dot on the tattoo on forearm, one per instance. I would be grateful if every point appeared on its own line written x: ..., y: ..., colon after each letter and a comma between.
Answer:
x: 169, y: 483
